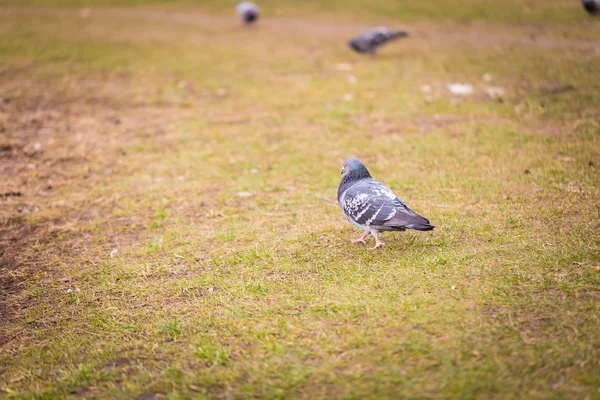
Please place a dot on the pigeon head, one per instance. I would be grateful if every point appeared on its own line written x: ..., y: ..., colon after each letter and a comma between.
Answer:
x: 353, y: 169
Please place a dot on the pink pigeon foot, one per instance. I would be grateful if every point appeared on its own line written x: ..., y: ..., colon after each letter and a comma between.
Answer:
x: 360, y: 239
x: 378, y: 243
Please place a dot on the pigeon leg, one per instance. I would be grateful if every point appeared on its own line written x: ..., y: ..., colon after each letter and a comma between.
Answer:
x: 360, y: 239
x: 378, y: 243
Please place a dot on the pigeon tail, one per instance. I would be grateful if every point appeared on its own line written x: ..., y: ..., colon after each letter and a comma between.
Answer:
x: 398, y: 34
x: 420, y: 227
x: 402, y: 222
x: 355, y: 46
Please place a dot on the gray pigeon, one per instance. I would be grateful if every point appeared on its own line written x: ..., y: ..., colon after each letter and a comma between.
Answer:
x: 248, y: 12
x: 591, y: 6
x: 371, y: 206
x: 369, y: 41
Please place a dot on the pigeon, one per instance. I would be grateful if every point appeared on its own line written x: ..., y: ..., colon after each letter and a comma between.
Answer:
x: 369, y: 41
x: 371, y: 206
x: 591, y: 6
x: 248, y: 12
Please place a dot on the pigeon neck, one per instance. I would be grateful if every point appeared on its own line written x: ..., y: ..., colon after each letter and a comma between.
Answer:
x: 352, y: 177
x: 356, y: 173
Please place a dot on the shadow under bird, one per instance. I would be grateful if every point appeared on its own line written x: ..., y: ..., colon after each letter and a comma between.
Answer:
x: 372, y: 207
x: 368, y: 42
x: 591, y: 6
x: 248, y: 12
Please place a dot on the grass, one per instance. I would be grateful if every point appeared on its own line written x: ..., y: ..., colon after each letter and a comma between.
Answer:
x: 208, y: 155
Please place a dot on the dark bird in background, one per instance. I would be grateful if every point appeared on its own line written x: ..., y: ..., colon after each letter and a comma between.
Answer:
x: 369, y: 41
x: 248, y: 12
x: 372, y: 207
x: 591, y: 6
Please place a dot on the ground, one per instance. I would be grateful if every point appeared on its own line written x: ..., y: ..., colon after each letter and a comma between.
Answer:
x: 168, y: 217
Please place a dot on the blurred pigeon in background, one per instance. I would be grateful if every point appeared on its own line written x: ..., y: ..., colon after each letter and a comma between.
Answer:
x: 369, y: 41
x: 591, y: 6
x: 248, y: 12
x: 371, y: 206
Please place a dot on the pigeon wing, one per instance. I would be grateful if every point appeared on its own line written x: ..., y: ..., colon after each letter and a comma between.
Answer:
x: 379, y: 38
x: 369, y: 203
x: 405, y: 217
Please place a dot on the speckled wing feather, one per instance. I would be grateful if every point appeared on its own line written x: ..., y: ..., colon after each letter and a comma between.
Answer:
x: 371, y: 203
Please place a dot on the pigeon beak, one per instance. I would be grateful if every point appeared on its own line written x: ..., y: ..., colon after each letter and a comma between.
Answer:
x: 343, y: 170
